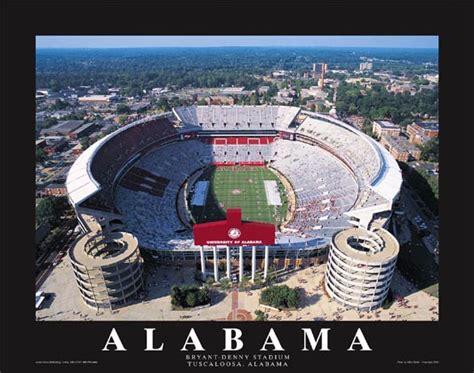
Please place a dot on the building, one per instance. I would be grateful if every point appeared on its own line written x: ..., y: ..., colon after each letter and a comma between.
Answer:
x: 159, y: 91
x: 420, y: 132
x: 98, y: 99
x: 364, y: 81
x: 219, y: 100
x: 396, y: 87
x: 319, y: 69
x: 207, y: 135
x: 43, y: 91
x: 77, y: 149
x: 40, y: 144
x: 385, y: 128
x: 139, y: 107
x: 233, y: 91
x: 84, y: 130
x: 61, y: 113
x: 356, y: 121
x: 54, y: 144
x: 63, y: 128
x: 400, y: 148
x: 433, y: 78
x: 285, y: 96
x: 279, y: 74
x: 55, y: 189
x: 366, y: 66
x: 108, y: 269
x: 315, y: 105
x: 315, y: 92
x: 360, y: 267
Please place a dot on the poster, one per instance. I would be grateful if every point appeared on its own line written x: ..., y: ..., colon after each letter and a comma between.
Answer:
x: 232, y: 199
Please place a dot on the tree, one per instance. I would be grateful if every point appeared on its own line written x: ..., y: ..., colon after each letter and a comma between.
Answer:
x: 52, y: 237
x: 367, y: 127
x: 163, y: 104
x: 225, y: 283
x: 261, y: 316
x: 50, y: 210
x: 430, y: 150
x: 188, y: 296
x: 60, y: 105
x: 123, y: 109
x: 85, y: 142
x: 40, y: 155
x: 280, y: 296
x: 49, y: 122
x: 122, y: 119
x: 425, y: 185
x: 379, y: 103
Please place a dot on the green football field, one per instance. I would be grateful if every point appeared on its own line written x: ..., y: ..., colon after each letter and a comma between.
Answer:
x: 239, y: 187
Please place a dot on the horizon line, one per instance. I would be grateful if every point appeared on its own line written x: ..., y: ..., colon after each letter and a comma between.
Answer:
x: 238, y: 46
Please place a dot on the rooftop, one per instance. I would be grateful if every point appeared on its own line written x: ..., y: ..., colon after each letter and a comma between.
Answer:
x: 93, y: 250
x: 84, y: 126
x: 63, y: 127
x: 379, y: 245
x: 400, y: 143
x: 55, y: 185
x: 386, y: 124
x: 428, y: 125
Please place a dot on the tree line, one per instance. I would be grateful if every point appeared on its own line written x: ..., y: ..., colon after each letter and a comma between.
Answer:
x: 378, y: 103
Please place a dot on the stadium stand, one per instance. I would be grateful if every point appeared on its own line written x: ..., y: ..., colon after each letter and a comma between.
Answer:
x: 137, y: 171
x: 238, y: 117
x: 115, y: 153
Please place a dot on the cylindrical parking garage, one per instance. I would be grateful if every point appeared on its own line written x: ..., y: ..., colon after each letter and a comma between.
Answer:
x: 108, y: 269
x: 360, y: 267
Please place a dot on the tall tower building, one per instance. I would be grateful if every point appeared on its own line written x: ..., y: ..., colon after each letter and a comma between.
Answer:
x: 319, y: 69
x: 321, y: 79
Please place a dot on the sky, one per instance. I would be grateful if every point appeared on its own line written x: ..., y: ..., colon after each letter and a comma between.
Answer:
x: 428, y: 41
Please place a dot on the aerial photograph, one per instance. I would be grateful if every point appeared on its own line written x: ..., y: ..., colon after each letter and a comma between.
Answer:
x: 237, y: 178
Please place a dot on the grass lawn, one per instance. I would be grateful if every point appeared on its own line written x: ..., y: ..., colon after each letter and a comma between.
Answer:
x: 240, y: 187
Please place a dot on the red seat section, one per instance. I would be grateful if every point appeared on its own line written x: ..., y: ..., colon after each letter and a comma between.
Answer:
x: 263, y: 140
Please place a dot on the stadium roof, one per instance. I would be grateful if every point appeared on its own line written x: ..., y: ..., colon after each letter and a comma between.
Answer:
x: 389, y: 180
x: 79, y: 182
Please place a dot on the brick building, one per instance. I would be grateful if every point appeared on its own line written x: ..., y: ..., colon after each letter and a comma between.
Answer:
x: 55, y: 189
x: 84, y: 130
x: 385, y: 128
x: 400, y: 148
x: 55, y: 144
x: 420, y: 132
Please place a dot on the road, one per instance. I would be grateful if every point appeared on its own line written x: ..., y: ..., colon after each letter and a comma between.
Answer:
x: 412, y: 209
x: 55, y: 254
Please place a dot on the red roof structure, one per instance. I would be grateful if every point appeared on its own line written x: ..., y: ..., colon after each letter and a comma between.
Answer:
x: 234, y: 232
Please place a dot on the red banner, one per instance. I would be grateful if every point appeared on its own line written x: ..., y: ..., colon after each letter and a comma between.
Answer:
x: 234, y: 232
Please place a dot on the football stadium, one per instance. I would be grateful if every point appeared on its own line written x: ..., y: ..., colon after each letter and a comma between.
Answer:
x: 308, y: 174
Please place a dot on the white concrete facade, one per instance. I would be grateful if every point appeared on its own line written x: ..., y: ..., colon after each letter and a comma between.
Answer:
x: 215, y: 257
